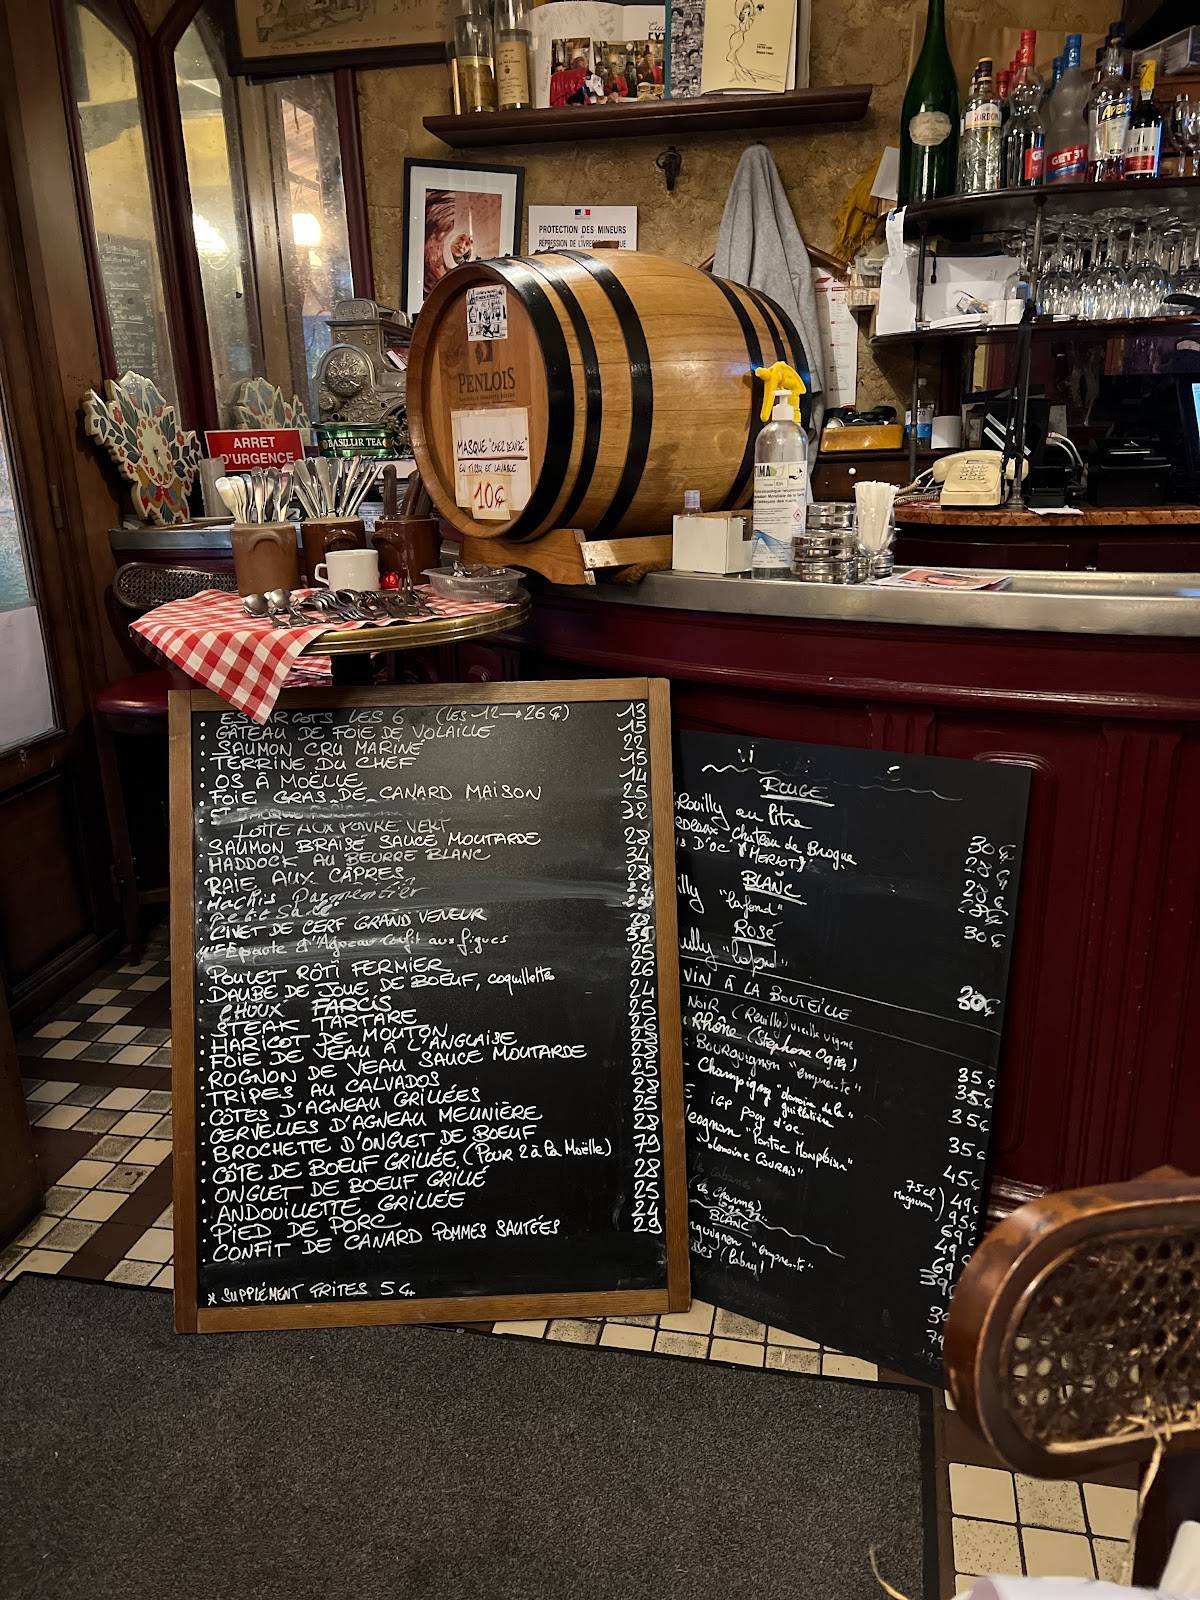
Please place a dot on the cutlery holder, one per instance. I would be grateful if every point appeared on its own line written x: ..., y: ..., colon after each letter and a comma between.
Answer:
x: 264, y: 556
x: 320, y: 535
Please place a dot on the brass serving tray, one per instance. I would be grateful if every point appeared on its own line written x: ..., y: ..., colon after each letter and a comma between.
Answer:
x: 414, y: 635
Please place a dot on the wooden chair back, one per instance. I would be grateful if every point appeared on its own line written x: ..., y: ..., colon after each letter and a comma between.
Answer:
x: 1073, y: 1336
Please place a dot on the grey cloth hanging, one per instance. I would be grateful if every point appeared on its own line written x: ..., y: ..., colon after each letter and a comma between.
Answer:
x: 760, y: 245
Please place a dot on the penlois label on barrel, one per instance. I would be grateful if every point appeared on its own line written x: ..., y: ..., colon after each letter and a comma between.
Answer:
x: 494, y: 444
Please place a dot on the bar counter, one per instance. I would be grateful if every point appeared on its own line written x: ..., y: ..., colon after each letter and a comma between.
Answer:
x: 1092, y: 682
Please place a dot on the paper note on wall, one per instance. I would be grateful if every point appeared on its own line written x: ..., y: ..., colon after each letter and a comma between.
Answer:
x: 492, y: 446
x: 839, y: 340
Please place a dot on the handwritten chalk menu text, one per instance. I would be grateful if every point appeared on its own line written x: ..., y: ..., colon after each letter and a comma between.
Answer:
x: 846, y: 918
x: 426, y: 1004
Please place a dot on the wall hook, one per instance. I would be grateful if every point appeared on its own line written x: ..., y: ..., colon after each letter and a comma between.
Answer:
x: 670, y: 164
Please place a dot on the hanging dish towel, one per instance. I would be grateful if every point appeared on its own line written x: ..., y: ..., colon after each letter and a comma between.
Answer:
x: 760, y: 245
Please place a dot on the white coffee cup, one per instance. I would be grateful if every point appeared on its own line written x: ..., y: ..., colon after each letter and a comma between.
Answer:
x: 349, y: 569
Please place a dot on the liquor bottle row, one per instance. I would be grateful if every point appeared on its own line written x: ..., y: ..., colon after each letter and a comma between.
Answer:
x: 489, y: 54
x: 1015, y: 132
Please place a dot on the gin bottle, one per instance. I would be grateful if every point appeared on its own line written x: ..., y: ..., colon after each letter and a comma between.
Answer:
x: 979, y: 141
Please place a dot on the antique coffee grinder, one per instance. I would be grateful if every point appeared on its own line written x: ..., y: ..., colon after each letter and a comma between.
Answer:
x: 362, y: 378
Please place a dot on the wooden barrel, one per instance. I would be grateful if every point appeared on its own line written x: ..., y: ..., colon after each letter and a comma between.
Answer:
x: 588, y: 389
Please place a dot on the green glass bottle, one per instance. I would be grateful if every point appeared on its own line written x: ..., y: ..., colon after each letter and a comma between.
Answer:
x: 929, y: 120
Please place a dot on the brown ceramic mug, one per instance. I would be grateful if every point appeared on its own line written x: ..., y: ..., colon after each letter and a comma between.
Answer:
x: 407, y: 545
x: 323, y: 534
x: 264, y: 556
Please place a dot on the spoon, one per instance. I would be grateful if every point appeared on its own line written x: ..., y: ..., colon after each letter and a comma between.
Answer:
x: 324, y: 479
x: 233, y: 493
x: 305, y: 487
x: 256, y: 605
x: 278, y: 604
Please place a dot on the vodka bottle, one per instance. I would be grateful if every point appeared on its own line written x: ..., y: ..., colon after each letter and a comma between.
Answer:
x: 979, y: 141
x: 1067, y: 128
x: 1056, y: 73
x: 1110, y: 110
x: 1025, y: 136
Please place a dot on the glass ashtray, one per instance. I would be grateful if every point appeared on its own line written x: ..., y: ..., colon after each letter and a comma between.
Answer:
x: 474, y: 583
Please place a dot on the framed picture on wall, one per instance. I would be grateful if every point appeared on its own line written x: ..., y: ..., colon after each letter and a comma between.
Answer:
x: 299, y: 36
x: 453, y: 213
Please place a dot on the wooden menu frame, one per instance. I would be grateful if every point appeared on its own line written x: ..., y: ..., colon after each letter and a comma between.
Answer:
x: 675, y: 1294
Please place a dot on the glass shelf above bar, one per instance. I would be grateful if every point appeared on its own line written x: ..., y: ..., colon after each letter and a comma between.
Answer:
x: 1005, y: 207
x: 1049, y: 327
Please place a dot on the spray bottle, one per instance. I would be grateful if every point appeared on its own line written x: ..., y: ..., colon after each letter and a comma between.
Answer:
x: 781, y: 488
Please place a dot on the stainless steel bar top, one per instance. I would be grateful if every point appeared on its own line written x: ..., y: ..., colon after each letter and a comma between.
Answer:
x: 1163, y: 605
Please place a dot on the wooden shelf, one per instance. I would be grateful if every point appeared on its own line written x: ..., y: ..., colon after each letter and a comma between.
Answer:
x: 1003, y: 206
x: 1047, y: 327
x: 1085, y: 516
x: 668, y: 119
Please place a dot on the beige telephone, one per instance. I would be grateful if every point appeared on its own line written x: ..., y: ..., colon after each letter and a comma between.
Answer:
x: 972, y: 477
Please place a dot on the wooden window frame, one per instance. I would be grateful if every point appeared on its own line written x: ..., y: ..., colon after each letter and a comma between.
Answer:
x: 183, y: 290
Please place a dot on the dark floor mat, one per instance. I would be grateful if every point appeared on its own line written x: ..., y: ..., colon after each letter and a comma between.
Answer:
x: 426, y: 1462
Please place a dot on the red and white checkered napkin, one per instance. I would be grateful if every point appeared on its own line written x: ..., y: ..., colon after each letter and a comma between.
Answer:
x: 245, y: 659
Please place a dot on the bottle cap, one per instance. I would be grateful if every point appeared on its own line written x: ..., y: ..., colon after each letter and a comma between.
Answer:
x: 1147, y: 72
x: 691, y: 500
x: 983, y: 67
x: 780, y: 376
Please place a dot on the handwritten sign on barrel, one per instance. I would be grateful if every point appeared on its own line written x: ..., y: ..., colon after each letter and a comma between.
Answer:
x: 845, y: 927
x: 426, y: 1007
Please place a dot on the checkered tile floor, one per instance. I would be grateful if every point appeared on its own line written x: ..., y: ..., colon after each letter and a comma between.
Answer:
x: 97, y: 1075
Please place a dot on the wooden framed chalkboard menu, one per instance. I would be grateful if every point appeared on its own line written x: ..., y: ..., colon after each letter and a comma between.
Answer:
x: 426, y: 1007
x: 846, y: 921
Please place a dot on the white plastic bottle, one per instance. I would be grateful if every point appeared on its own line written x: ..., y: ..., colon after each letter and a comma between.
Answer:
x: 781, y: 487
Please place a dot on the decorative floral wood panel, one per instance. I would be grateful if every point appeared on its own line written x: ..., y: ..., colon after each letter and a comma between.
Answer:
x: 142, y: 433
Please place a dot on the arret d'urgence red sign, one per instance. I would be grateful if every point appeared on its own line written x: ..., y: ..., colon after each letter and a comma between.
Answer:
x: 245, y: 448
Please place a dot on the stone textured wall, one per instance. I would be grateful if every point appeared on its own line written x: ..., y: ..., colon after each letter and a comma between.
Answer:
x: 853, y: 41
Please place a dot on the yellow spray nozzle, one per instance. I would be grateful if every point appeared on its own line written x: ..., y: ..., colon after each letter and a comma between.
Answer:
x: 780, y: 376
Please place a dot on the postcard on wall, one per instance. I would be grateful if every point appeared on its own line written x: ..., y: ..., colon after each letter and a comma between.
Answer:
x: 684, y: 48
x: 582, y: 227
x: 749, y: 47
x: 587, y: 52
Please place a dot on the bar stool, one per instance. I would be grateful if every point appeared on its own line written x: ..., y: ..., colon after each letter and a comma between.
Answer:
x: 136, y: 707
